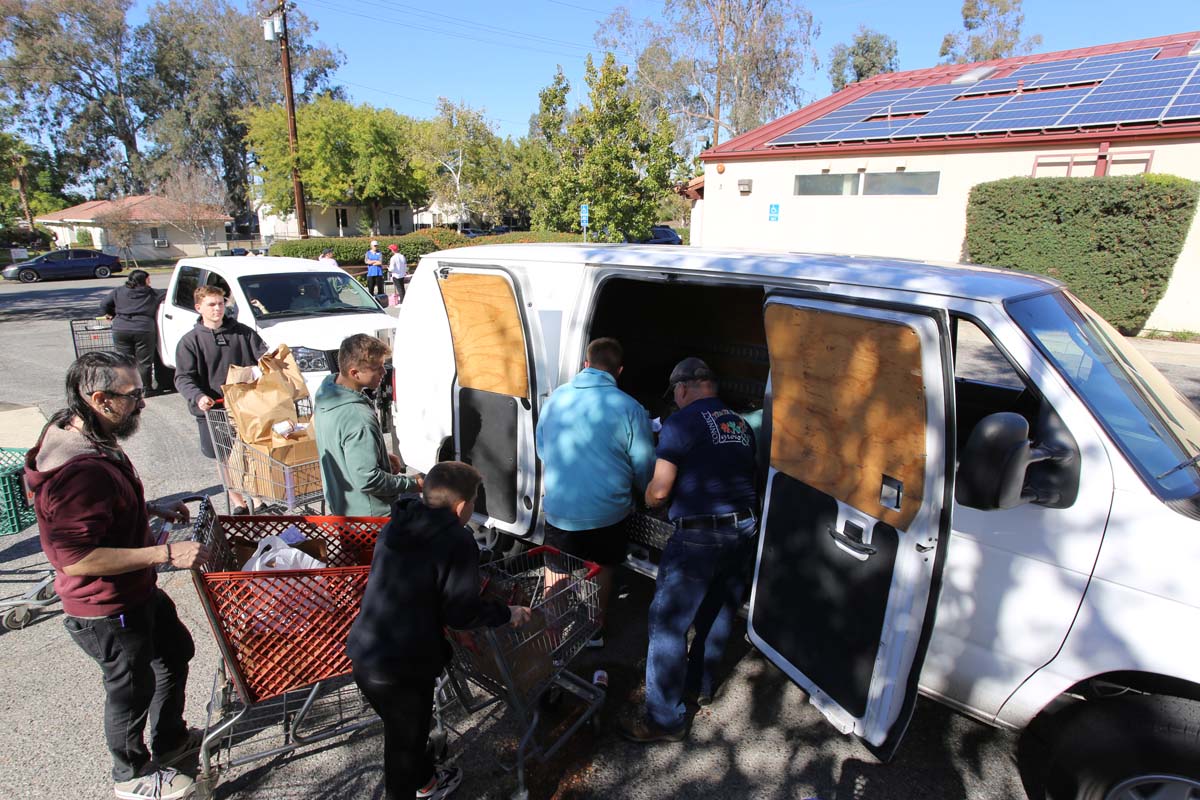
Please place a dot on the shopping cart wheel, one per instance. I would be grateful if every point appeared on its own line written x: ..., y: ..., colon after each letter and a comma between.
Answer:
x: 17, y: 618
x: 438, y: 745
x: 46, y: 592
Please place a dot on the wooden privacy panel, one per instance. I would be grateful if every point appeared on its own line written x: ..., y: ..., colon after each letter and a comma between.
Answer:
x: 848, y: 407
x: 489, y: 340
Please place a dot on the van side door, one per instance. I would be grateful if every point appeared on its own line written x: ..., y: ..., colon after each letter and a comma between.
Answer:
x: 493, y: 392
x: 857, y: 509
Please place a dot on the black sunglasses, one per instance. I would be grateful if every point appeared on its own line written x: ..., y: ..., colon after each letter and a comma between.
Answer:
x: 137, y: 395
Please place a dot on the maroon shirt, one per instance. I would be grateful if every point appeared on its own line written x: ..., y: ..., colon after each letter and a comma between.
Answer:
x: 90, y: 500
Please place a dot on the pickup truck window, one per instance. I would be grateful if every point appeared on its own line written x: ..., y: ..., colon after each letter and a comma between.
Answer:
x: 185, y: 287
x: 305, y: 294
x: 1155, y: 426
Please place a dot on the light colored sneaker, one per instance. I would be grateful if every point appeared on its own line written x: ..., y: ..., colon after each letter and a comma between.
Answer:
x: 446, y: 780
x: 164, y: 784
x: 188, y: 747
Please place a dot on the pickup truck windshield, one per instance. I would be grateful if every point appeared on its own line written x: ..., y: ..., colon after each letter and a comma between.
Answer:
x: 304, y: 294
x: 1156, y: 426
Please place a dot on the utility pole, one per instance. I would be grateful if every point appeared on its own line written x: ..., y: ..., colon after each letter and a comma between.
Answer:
x: 273, y: 31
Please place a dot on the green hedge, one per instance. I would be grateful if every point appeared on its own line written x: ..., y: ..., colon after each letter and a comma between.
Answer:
x: 349, y: 251
x: 1114, y: 240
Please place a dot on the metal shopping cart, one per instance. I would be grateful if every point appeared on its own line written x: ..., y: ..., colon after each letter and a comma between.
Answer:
x: 522, y: 666
x: 284, y: 478
x: 89, y: 335
x: 283, y: 681
x: 16, y: 514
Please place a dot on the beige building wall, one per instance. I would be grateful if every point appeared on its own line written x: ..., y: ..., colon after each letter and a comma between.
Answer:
x: 926, y: 227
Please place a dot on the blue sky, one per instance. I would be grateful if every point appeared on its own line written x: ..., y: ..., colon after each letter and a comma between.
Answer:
x: 497, y: 56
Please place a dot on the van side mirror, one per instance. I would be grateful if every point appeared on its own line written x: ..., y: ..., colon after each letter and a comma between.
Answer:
x: 994, y: 467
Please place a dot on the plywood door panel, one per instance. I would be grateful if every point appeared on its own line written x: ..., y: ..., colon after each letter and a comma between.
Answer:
x: 489, y: 338
x: 848, y: 407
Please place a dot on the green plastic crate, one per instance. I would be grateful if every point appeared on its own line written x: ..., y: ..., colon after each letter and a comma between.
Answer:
x: 15, y: 512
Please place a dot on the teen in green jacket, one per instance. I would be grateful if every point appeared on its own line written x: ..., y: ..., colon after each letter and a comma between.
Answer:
x: 359, y: 475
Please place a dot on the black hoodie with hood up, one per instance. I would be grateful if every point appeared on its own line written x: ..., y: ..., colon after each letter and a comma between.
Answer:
x: 424, y: 578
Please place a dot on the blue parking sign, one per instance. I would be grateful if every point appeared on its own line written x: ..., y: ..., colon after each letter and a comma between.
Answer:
x: 583, y: 215
x: 773, y: 213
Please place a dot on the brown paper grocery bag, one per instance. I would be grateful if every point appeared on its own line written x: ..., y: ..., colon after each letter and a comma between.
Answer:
x: 255, y: 405
x: 282, y: 363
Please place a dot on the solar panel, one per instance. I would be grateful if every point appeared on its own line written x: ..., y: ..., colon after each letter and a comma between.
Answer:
x: 1122, y: 87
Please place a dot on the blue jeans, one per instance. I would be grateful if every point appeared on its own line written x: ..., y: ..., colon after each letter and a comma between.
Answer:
x: 702, y: 580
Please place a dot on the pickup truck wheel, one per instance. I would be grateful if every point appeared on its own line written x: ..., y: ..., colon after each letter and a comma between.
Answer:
x: 1134, y: 747
x: 103, y: 272
x: 27, y: 276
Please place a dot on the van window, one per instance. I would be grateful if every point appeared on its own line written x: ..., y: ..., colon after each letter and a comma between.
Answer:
x: 986, y: 381
x: 185, y: 287
x: 1154, y: 425
x: 976, y: 358
x: 216, y: 280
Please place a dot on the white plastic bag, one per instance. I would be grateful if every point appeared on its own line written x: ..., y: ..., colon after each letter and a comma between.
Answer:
x: 274, y: 553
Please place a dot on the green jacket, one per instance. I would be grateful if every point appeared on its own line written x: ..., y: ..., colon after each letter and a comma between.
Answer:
x: 354, y: 458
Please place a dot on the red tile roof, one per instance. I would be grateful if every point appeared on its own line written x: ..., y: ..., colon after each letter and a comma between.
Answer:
x: 753, y: 144
x: 135, y: 208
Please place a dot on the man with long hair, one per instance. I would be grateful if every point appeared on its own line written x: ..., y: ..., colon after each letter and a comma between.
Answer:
x: 93, y: 520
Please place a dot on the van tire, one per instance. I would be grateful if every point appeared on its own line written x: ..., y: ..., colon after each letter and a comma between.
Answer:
x: 1103, y: 749
x: 499, y: 544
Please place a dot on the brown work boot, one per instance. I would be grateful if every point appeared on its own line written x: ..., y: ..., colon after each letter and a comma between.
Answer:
x: 641, y: 730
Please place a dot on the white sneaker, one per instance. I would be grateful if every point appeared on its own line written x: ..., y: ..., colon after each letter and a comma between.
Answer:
x: 164, y: 784
x: 446, y: 780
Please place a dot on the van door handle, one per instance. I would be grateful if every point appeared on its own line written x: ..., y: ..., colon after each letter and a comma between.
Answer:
x: 851, y: 544
x: 168, y: 316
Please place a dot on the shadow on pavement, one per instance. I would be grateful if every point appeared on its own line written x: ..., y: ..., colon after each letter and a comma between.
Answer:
x: 65, y: 304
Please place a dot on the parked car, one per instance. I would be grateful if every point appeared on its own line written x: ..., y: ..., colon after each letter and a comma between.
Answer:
x: 292, y: 301
x: 238, y: 251
x: 974, y: 487
x: 472, y: 233
x: 499, y: 229
x: 662, y: 234
x: 73, y: 263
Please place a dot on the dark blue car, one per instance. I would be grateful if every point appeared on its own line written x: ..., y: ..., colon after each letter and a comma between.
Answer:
x: 73, y: 263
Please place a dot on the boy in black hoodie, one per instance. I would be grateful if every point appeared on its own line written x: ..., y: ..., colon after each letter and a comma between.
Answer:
x: 424, y: 577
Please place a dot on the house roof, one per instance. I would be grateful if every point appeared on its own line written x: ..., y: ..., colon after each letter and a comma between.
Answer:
x: 135, y: 208
x: 755, y: 144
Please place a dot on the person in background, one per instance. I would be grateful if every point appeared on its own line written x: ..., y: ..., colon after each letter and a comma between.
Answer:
x: 597, y: 450
x: 706, y: 467
x: 133, y: 309
x: 424, y: 578
x: 374, y: 261
x: 93, y: 522
x: 327, y: 259
x: 360, y: 477
x: 398, y: 267
x: 202, y: 361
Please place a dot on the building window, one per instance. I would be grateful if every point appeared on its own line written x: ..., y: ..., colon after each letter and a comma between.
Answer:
x: 154, y: 233
x: 341, y: 218
x: 394, y: 219
x: 901, y: 183
x: 827, y: 184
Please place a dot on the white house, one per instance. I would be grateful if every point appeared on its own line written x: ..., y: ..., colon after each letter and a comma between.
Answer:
x: 345, y: 220
x: 139, y: 227
x: 884, y: 167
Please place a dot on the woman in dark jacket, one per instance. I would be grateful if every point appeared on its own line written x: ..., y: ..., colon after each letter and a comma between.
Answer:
x: 133, y: 310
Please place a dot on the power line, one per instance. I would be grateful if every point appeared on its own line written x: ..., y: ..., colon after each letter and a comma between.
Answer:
x: 581, y: 8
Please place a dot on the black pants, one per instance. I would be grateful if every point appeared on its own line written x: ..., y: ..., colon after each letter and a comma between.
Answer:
x: 405, y: 704
x: 375, y: 284
x: 144, y: 657
x: 141, y: 345
x: 398, y: 284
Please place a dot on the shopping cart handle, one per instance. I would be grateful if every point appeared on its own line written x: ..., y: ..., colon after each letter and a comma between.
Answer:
x: 593, y: 567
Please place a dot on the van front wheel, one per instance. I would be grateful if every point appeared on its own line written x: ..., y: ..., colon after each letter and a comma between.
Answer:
x: 499, y: 544
x: 1134, y: 747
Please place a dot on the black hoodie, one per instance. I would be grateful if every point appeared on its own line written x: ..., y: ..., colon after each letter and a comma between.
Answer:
x: 203, y: 358
x: 424, y: 578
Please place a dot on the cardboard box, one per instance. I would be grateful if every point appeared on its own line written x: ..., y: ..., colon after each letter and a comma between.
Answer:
x: 244, y: 549
x: 281, y: 470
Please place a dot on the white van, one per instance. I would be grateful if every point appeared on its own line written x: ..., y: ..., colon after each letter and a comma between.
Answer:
x: 974, y: 487
x: 309, y: 307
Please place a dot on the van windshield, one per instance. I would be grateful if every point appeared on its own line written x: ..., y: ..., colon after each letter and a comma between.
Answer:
x: 1157, y: 428
x: 305, y: 294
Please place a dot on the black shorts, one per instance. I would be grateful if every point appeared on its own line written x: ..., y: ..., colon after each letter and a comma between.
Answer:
x: 206, y: 445
x: 605, y: 546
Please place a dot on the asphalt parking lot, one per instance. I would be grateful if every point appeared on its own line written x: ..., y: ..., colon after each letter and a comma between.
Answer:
x: 760, y: 739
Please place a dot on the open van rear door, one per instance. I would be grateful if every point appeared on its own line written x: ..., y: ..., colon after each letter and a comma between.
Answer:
x: 857, y: 512
x: 492, y: 395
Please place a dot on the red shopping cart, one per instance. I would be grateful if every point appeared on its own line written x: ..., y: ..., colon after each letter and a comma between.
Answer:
x: 521, y: 666
x: 283, y: 681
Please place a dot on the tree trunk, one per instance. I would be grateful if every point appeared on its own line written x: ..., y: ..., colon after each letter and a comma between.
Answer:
x: 19, y: 169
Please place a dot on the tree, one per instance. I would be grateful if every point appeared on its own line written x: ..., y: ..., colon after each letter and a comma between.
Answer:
x: 724, y: 65
x: 205, y: 60
x: 202, y: 200
x: 603, y: 155
x: 991, y: 29
x: 31, y: 181
x: 348, y: 155
x: 466, y: 154
x: 70, y: 66
x: 869, y: 53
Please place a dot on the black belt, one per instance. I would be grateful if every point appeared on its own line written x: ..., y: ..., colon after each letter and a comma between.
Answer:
x: 712, y: 521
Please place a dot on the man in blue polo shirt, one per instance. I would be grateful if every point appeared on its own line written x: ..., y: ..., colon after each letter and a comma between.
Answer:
x: 706, y: 466
x: 374, y: 261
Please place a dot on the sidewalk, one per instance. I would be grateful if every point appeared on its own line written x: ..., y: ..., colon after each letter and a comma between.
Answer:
x: 20, y: 425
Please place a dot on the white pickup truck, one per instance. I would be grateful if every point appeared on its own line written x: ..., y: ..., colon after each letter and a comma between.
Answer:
x: 292, y: 301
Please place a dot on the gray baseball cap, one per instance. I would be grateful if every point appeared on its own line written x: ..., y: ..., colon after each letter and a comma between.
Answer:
x: 690, y: 369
